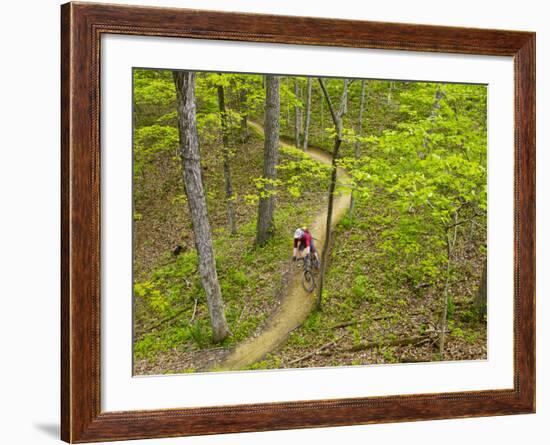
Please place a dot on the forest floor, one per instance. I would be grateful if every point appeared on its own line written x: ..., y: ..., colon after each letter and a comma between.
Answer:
x: 297, y: 303
x: 171, y: 326
x: 372, y: 313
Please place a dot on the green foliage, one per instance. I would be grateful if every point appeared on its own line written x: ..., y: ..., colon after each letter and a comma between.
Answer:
x: 418, y: 171
x: 356, y: 336
x: 151, y: 140
x: 389, y: 355
x: 431, y: 168
x: 199, y: 333
x: 300, y: 171
x: 450, y: 309
x: 313, y: 322
x: 364, y: 289
x: 457, y: 333
x: 153, y: 88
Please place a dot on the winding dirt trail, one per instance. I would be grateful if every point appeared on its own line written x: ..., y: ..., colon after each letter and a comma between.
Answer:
x: 297, y: 303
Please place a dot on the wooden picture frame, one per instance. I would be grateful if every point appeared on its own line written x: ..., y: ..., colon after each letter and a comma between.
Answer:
x: 82, y: 25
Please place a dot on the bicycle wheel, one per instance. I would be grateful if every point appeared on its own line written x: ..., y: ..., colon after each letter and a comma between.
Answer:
x: 308, y: 281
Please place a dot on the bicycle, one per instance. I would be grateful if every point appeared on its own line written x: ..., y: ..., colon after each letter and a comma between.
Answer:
x: 308, y: 276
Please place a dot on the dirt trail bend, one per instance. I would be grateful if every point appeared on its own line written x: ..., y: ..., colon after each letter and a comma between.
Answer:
x: 297, y: 303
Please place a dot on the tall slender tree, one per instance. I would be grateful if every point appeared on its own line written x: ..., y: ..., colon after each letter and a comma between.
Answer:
x: 439, y: 95
x: 194, y: 190
x: 337, y: 121
x: 266, y: 207
x: 297, y: 117
x: 243, y: 99
x: 308, y: 113
x: 357, y: 145
x: 451, y: 233
x: 322, y: 106
x: 481, y: 297
x: 287, y: 97
x: 390, y: 90
x: 229, y: 198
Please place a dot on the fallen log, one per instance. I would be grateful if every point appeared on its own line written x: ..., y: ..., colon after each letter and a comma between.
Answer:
x: 317, y: 351
x: 397, y: 342
x: 147, y: 329
x: 351, y: 323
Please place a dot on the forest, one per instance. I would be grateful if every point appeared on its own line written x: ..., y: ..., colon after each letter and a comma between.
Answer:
x: 389, y: 178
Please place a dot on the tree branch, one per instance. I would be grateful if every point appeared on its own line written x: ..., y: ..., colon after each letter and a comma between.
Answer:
x: 335, y: 117
x: 398, y: 342
x: 458, y: 223
x: 317, y: 351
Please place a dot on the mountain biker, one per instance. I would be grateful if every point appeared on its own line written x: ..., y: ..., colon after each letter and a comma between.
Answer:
x: 303, y: 244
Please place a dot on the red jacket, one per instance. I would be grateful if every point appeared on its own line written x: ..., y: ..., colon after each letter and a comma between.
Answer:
x: 305, y: 240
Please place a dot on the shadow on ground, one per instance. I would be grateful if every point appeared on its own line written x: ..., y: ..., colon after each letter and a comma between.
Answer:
x: 49, y: 429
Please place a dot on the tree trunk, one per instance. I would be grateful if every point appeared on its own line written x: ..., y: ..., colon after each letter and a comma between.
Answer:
x: 389, y: 93
x: 322, y: 119
x: 245, y: 135
x: 287, y: 89
x: 337, y: 120
x: 481, y: 297
x: 297, y: 118
x: 433, y: 115
x: 229, y: 199
x: 326, y: 245
x: 357, y: 143
x: 308, y: 113
x: 266, y: 206
x: 343, y: 101
x: 194, y: 190
x: 450, y: 249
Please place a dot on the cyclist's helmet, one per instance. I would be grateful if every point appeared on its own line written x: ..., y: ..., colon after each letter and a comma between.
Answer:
x: 298, y: 233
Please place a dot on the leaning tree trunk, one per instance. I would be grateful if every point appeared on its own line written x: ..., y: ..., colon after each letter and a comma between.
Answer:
x: 266, y: 207
x: 308, y: 113
x: 322, y: 119
x: 357, y: 143
x: 297, y: 118
x: 229, y: 199
x: 337, y: 120
x: 194, y: 190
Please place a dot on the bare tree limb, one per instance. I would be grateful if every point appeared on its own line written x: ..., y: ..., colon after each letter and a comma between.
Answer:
x: 463, y: 221
x: 398, y: 342
x: 351, y: 323
x: 160, y: 323
x: 317, y: 351
x: 194, y: 310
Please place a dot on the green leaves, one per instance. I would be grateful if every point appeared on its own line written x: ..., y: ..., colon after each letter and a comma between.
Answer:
x: 299, y: 170
x: 153, y: 87
x: 266, y: 187
x: 429, y: 168
x: 150, y: 141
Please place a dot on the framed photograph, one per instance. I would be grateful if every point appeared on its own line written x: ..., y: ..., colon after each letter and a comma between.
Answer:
x: 274, y: 222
